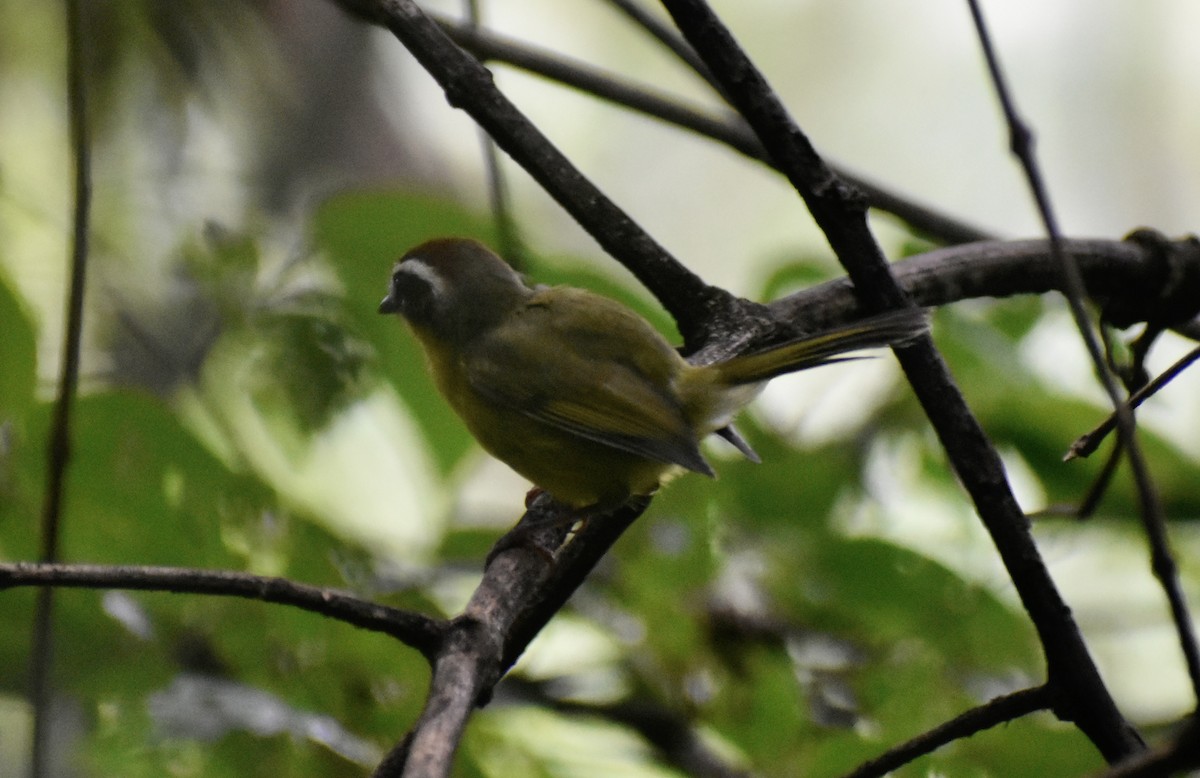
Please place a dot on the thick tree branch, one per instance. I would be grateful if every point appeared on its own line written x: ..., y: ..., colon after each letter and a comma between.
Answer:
x: 522, y: 588
x: 1080, y: 693
x: 1119, y: 275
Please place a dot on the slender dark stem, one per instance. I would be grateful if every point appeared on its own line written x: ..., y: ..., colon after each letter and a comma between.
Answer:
x: 508, y: 240
x: 413, y: 629
x: 58, y: 452
x: 1083, y: 697
x: 1002, y: 709
x: 1162, y: 560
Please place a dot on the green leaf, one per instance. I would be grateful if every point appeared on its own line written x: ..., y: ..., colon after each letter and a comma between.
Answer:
x: 140, y: 488
x: 307, y: 365
x: 793, y: 275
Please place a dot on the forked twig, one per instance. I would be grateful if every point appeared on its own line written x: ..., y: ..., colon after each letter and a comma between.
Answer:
x: 1087, y: 443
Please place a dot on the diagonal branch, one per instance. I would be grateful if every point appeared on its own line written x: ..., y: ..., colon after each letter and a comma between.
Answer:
x: 1162, y: 559
x: 1081, y: 695
x: 703, y: 312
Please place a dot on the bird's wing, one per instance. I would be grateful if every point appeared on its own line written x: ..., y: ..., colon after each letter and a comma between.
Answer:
x: 597, y: 371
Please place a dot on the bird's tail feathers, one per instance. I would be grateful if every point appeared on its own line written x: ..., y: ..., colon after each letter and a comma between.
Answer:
x: 823, y: 348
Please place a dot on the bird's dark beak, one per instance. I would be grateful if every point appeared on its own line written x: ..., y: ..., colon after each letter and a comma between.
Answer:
x: 388, y: 305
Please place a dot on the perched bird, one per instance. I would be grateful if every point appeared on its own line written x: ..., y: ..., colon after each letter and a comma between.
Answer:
x: 575, y: 391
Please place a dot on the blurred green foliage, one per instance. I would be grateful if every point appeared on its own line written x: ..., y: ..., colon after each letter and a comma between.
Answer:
x: 747, y: 608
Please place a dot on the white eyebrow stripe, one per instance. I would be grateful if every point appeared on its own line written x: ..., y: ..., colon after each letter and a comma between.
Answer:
x: 415, y: 266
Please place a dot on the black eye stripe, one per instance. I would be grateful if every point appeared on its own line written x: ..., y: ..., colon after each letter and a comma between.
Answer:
x: 418, y: 270
x: 417, y: 290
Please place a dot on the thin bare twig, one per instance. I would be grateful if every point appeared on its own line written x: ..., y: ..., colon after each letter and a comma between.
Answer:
x: 1005, y: 708
x: 1162, y: 560
x: 508, y: 239
x: 58, y: 452
x: 1083, y: 698
x: 412, y: 629
x: 1092, y: 497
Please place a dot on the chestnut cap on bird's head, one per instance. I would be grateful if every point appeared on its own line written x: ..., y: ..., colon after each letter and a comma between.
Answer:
x: 452, y: 287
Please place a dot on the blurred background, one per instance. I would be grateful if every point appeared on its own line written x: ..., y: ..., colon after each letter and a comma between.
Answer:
x: 257, y: 166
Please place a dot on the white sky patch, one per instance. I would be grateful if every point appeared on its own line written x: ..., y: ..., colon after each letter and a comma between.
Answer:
x: 817, y: 406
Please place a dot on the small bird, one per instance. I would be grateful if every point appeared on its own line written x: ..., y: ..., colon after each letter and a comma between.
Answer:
x: 575, y: 391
